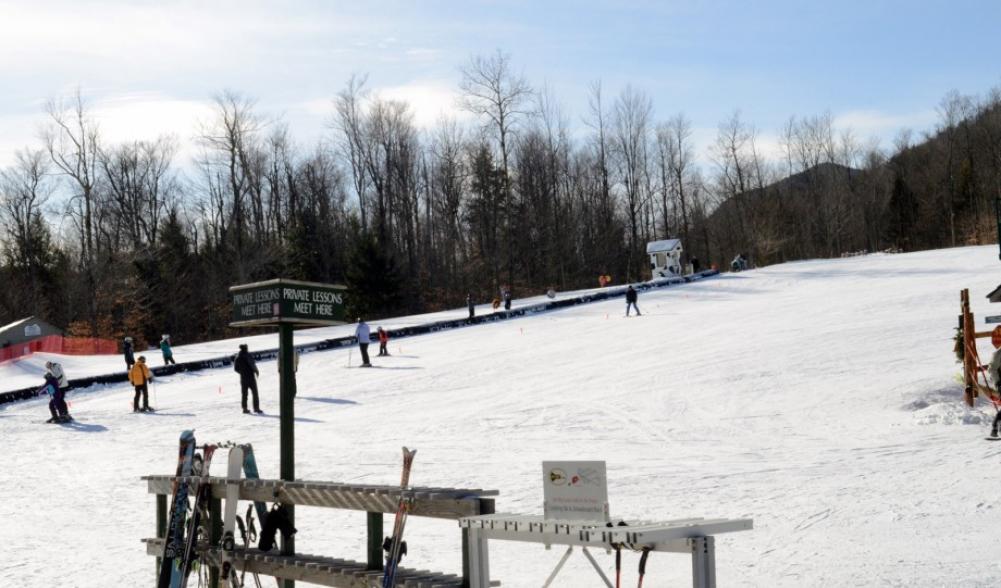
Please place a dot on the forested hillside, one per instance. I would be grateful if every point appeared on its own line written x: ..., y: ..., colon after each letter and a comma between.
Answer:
x: 129, y: 238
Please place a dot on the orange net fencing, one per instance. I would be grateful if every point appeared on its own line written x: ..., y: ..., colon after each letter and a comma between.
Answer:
x: 62, y: 345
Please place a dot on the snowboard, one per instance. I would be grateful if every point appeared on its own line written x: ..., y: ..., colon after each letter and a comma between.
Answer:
x: 173, y: 541
x: 229, y: 515
x: 992, y: 438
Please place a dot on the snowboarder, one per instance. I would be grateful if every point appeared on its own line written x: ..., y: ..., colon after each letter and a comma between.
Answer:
x: 130, y: 358
x: 383, y: 341
x: 470, y: 305
x: 245, y: 366
x: 55, y: 380
x: 507, y: 300
x: 168, y: 354
x: 631, y: 297
x: 362, y: 333
x: 140, y: 377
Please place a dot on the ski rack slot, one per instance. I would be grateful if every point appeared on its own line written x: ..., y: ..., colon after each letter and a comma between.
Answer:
x: 375, y: 500
x: 315, y: 569
x: 693, y: 536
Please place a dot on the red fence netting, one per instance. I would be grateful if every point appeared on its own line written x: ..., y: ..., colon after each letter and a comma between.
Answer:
x: 62, y: 345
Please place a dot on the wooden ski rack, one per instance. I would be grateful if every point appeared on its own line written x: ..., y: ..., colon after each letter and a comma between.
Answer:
x: 693, y: 536
x: 375, y: 500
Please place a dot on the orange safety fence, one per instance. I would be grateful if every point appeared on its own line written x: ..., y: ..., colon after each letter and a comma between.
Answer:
x: 62, y: 345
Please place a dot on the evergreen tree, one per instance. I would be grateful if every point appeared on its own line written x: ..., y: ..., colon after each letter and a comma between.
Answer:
x: 375, y: 286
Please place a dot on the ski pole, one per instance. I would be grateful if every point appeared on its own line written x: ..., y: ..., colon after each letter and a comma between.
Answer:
x: 646, y: 552
x: 156, y: 401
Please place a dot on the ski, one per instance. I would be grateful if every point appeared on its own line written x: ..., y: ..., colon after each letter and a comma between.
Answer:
x: 251, y: 473
x: 229, y: 516
x: 202, y: 493
x: 173, y: 541
x: 395, y: 547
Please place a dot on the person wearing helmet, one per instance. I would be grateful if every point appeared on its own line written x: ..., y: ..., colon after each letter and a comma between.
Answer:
x: 140, y: 377
x: 168, y: 353
x: 56, y: 384
x: 130, y: 358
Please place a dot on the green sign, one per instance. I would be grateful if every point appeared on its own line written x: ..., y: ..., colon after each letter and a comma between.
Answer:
x: 287, y: 301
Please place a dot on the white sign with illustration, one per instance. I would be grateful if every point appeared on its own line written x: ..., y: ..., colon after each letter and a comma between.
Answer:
x: 575, y: 490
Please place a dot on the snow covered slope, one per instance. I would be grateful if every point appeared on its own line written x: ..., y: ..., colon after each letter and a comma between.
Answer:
x: 818, y: 398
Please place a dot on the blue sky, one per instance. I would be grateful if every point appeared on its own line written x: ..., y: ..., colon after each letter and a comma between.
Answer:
x: 150, y: 67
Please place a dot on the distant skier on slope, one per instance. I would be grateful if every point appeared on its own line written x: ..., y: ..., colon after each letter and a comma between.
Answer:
x: 631, y: 297
x: 140, y: 376
x: 245, y: 365
x: 383, y: 341
x: 128, y: 352
x: 507, y: 299
x: 363, y: 334
x: 168, y: 353
x: 56, y: 384
x: 470, y: 305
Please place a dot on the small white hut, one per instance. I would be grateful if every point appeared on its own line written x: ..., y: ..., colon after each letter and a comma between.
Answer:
x: 665, y: 258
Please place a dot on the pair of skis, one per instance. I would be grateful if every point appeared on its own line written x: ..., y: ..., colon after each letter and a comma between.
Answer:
x: 395, y: 547
x: 182, y: 530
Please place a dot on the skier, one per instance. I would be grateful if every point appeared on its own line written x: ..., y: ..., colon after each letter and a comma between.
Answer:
x: 362, y: 333
x: 55, y: 378
x: 470, y: 305
x: 50, y: 387
x: 140, y: 377
x: 507, y: 300
x: 383, y: 341
x: 631, y: 301
x: 695, y: 265
x: 245, y: 366
x: 130, y: 358
x: 168, y: 354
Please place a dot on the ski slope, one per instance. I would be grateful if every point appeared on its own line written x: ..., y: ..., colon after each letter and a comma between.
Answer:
x: 818, y: 398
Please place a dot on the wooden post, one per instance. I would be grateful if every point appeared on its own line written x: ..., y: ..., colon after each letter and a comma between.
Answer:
x: 969, y: 344
x: 375, y: 531
x: 215, y: 536
x: 286, y: 350
x: 161, y: 524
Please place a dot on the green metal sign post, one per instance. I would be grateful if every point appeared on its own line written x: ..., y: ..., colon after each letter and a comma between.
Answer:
x: 286, y: 303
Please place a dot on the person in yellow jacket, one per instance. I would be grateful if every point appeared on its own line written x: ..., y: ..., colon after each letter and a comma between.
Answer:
x: 140, y: 376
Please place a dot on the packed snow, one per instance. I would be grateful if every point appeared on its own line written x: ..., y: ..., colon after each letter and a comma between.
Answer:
x: 819, y: 398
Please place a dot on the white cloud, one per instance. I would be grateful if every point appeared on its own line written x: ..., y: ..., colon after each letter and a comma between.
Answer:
x: 429, y: 100
x: 866, y: 123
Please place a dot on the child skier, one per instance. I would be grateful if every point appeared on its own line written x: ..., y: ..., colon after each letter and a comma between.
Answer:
x: 140, y: 377
x: 168, y: 354
x: 383, y: 341
x: 55, y: 385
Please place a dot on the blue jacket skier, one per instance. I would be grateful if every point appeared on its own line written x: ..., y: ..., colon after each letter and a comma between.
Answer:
x: 168, y: 353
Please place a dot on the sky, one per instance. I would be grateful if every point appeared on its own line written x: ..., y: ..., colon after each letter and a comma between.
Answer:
x: 148, y: 68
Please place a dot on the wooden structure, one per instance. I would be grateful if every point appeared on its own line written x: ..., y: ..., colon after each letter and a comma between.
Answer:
x: 665, y: 258
x: 975, y: 377
x: 690, y: 536
x: 375, y: 500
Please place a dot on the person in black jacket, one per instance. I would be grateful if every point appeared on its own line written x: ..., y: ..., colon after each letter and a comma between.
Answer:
x: 470, y: 305
x: 631, y: 301
x: 245, y: 366
x: 130, y: 358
